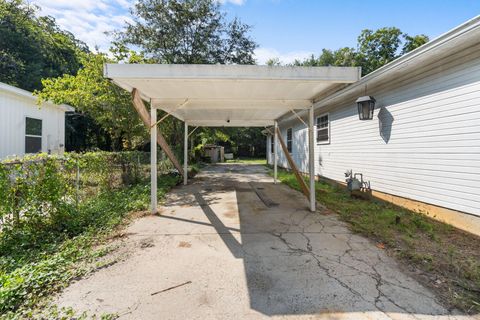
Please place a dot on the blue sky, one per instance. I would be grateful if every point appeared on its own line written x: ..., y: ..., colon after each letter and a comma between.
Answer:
x: 287, y: 29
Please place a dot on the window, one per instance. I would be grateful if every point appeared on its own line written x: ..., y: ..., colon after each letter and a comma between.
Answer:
x: 33, y: 135
x: 289, y: 139
x: 272, y: 144
x: 323, y: 129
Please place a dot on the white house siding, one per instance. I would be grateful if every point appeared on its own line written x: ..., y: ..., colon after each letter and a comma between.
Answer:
x: 269, y: 150
x: 13, y: 111
x: 430, y: 151
x: 299, y: 146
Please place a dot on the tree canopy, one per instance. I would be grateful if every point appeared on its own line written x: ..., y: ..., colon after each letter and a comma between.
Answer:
x: 190, y: 32
x: 33, y: 48
x: 187, y: 31
x: 92, y: 94
x: 374, y: 49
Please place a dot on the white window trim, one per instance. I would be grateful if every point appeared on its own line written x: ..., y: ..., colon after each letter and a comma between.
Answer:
x: 286, y: 138
x: 31, y: 135
x: 316, y: 129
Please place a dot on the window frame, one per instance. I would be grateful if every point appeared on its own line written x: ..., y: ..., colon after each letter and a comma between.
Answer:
x: 272, y: 144
x: 289, y: 147
x: 32, y: 135
x: 317, y: 129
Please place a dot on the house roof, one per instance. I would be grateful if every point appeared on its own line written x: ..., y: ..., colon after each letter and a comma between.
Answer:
x: 27, y: 94
x: 229, y: 95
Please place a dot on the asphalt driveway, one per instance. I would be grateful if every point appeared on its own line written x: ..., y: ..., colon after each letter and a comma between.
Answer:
x: 232, y: 245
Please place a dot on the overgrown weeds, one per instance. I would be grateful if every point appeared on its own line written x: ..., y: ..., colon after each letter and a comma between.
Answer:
x: 53, y: 238
x: 443, y: 258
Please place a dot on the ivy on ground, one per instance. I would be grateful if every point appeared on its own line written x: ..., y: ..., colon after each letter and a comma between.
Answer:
x: 50, y: 234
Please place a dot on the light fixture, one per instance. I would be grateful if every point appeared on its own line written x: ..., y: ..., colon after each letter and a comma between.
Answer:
x: 366, y: 105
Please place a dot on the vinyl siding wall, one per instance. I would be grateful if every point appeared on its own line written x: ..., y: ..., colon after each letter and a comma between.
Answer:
x: 423, y: 143
x: 13, y: 111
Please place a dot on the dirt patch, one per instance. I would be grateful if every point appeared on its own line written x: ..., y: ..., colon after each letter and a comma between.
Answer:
x: 449, y: 264
x: 231, y: 214
x: 146, y: 243
x: 138, y: 214
x: 121, y: 234
x: 184, y: 244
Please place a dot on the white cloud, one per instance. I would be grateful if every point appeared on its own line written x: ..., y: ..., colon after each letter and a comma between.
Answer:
x: 88, y: 20
x: 262, y: 55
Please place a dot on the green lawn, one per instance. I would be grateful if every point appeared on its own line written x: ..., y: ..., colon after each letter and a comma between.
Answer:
x: 445, y: 259
x: 261, y: 161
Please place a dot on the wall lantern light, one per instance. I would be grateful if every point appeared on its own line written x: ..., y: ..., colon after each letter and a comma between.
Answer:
x: 366, y: 105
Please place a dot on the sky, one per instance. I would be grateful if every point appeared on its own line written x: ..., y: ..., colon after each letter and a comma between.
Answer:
x: 284, y: 29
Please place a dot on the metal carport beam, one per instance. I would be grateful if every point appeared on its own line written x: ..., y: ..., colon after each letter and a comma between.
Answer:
x: 311, y: 158
x: 229, y: 95
x: 185, y: 155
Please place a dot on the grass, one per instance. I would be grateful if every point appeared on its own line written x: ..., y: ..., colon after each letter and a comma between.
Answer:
x: 441, y: 257
x: 35, y: 264
x: 261, y: 161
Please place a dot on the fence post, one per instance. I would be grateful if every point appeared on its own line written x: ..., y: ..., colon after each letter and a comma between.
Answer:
x: 77, y: 182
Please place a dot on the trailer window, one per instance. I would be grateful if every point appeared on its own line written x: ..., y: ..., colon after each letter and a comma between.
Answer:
x: 289, y: 139
x: 323, y: 128
x: 33, y: 135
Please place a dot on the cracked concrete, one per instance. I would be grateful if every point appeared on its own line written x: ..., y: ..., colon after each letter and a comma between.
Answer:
x: 247, y: 261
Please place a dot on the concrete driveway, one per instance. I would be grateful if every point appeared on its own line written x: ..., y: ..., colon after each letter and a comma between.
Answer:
x: 232, y: 245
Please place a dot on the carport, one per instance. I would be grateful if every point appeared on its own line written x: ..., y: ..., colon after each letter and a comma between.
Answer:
x: 228, y: 95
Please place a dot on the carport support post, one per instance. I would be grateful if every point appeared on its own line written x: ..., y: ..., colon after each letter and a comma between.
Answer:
x: 311, y: 158
x: 275, y: 152
x: 153, y: 159
x: 185, y: 155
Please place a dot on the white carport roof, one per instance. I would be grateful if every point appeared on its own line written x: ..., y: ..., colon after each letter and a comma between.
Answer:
x: 229, y: 95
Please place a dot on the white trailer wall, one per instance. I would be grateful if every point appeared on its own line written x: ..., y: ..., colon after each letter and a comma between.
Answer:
x: 423, y: 143
x: 14, y: 108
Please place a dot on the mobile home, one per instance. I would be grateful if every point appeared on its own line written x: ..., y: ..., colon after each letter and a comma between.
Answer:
x: 422, y: 147
x: 26, y: 127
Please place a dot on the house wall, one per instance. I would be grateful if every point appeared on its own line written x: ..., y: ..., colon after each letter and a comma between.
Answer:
x: 13, y: 111
x: 423, y: 143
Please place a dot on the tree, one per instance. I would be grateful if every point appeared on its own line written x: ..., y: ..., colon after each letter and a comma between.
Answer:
x: 343, y: 57
x: 374, y: 49
x: 187, y: 31
x: 377, y: 48
x: 273, y: 62
x: 190, y: 32
x: 32, y: 47
x: 82, y: 133
x: 412, y: 43
x: 244, y: 142
x: 96, y: 97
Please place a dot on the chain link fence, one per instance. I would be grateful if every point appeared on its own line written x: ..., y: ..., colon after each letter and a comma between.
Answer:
x: 38, y: 186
